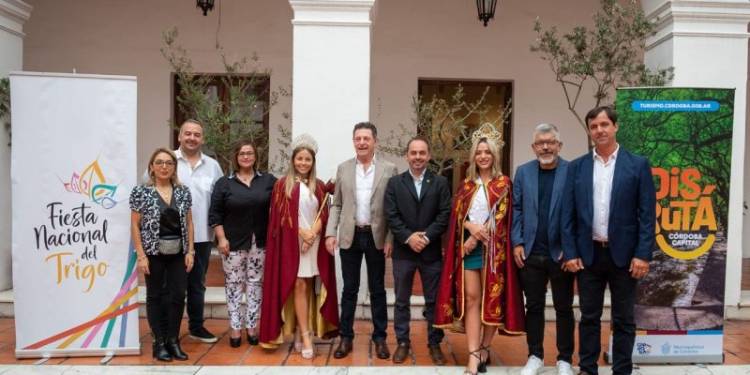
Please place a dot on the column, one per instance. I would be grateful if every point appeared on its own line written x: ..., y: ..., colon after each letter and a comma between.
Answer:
x: 706, y: 42
x: 13, y: 14
x: 331, y: 83
x: 330, y: 75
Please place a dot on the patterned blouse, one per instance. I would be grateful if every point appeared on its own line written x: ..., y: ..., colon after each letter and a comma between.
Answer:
x: 144, y: 199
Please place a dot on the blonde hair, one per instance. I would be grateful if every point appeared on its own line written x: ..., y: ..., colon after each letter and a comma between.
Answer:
x: 291, y: 173
x: 473, y: 172
x: 151, y: 179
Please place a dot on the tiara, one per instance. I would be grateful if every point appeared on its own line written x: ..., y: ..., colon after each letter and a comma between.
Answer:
x: 487, y: 131
x: 305, y: 140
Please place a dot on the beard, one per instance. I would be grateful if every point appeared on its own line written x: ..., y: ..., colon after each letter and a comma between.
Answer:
x: 546, y: 159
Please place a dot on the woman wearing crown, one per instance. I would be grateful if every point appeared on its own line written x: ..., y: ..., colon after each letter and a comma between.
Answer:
x: 299, y: 285
x: 479, y: 286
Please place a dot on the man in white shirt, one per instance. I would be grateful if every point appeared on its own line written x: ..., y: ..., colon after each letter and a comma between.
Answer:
x: 608, y: 222
x: 198, y: 172
x: 358, y: 218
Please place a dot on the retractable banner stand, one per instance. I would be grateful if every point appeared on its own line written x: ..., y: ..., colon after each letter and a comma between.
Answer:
x: 73, y: 166
x: 686, y: 133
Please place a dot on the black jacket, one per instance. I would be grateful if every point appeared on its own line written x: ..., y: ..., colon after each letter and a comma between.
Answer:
x: 407, y: 214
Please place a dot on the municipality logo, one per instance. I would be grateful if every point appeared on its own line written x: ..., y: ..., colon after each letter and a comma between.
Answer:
x: 666, y: 348
x: 643, y: 348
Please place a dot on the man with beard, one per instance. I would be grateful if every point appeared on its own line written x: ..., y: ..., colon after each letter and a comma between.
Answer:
x: 198, y: 172
x: 418, y: 207
x: 537, y: 191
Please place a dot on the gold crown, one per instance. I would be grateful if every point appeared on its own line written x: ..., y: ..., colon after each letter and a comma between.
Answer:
x: 488, y: 132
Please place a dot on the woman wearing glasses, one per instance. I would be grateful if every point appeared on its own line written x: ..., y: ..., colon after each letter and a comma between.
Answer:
x: 162, y: 232
x: 239, y: 216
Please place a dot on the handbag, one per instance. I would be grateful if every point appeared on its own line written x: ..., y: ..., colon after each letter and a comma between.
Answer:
x: 170, y: 247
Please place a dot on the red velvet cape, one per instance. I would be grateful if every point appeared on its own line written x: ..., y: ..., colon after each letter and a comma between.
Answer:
x: 502, y: 302
x: 282, y: 262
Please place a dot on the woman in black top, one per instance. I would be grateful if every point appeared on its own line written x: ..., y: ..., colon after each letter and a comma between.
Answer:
x: 162, y: 231
x: 239, y: 216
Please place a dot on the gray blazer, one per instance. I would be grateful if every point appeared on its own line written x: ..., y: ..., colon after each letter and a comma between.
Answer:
x: 343, y: 205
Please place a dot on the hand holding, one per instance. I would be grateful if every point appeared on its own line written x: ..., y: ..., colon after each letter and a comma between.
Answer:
x: 478, y: 231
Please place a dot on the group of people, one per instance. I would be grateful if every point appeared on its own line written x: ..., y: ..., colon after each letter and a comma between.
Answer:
x: 477, y: 253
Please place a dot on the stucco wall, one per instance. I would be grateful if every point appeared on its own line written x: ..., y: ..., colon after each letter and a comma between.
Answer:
x: 418, y: 38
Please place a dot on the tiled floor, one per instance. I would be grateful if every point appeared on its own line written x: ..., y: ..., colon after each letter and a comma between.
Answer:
x: 508, y: 351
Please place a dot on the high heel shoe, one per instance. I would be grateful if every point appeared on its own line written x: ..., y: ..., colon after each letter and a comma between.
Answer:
x: 482, y: 367
x: 308, y: 353
x: 252, y: 339
x: 477, y: 354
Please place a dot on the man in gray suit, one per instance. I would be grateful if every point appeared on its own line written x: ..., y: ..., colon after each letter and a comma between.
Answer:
x: 537, y: 191
x: 357, y: 215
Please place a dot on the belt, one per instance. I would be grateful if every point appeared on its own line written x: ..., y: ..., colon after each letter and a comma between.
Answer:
x: 363, y: 228
x: 601, y: 244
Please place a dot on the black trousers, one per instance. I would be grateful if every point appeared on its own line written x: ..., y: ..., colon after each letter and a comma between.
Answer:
x: 196, y: 285
x: 592, y: 281
x: 351, y: 262
x: 537, y: 271
x: 403, y: 277
x: 166, y: 273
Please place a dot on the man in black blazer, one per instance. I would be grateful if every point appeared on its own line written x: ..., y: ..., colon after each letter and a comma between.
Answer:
x: 417, y: 207
x: 608, y: 222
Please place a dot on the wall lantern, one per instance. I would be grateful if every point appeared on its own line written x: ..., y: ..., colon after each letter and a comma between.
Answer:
x: 207, y: 5
x: 486, y: 10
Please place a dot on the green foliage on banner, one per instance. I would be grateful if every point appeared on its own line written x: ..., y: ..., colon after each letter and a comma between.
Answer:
x: 701, y: 140
x: 600, y: 58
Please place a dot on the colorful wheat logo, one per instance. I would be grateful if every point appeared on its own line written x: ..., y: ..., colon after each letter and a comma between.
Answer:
x: 92, y: 183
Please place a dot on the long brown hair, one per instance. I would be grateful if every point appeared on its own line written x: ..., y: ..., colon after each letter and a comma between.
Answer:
x: 291, y: 173
x: 173, y: 179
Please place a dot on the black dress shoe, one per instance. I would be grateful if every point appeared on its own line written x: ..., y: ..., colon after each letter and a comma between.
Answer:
x: 252, y: 339
x: 381, y: 350
x: 174, y: 349
x: 235, y: 342
x: 159, y: 350
x: 436, y: 354
x: 402, y: 351
x: 344, y: 348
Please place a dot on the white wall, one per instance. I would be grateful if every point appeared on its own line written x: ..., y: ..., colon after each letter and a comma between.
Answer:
x: 13, y: 14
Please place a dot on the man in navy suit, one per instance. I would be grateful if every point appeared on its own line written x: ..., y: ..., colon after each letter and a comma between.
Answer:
x: 417, y: 206
x: 608, y: 224
x: 537, y: 197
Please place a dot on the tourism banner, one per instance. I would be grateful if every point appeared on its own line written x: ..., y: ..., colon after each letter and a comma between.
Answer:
x: 686, y: 133
x: 73, y: 164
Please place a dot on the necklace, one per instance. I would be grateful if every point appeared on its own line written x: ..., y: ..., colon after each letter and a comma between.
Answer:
x: 300, y: 179
x: 165, y: 193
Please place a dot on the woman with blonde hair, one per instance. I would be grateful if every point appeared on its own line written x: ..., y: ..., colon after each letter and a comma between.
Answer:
x: 299, y: 288
x: 479, y: 286
x: 162, y: 232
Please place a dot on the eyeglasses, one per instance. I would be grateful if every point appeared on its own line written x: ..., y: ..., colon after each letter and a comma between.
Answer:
x: 249, y: 153
x: 167, y: 163
x: 541, y: 144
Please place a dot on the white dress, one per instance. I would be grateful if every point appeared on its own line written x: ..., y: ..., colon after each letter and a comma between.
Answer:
x: 308, y: 209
